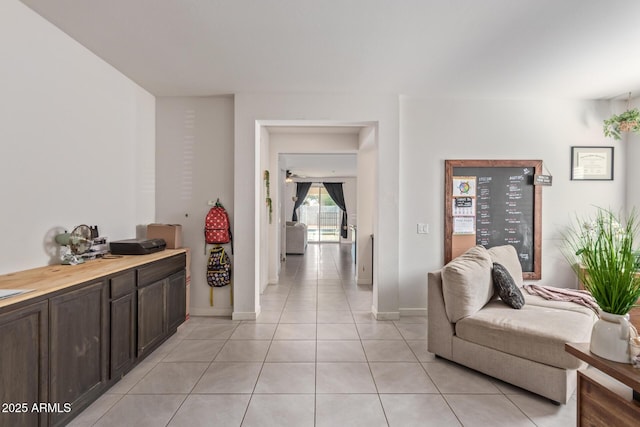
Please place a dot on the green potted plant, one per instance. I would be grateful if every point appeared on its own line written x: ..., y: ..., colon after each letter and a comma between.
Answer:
x: 602, y: 253
x: 629, y: 121
x: 268, y: 200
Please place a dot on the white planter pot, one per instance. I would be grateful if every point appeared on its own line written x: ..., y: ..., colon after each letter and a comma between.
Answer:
x: 610, y: 337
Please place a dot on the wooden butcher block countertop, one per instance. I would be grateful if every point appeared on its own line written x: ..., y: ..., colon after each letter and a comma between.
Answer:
x: 53, y: 278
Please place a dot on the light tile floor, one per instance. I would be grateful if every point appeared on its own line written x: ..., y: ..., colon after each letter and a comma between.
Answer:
x: 314, y: 357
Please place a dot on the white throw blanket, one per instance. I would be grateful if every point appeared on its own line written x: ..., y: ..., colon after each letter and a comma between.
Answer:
x: 578, y: 296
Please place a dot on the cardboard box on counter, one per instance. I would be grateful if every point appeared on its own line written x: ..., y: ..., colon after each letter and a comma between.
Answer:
x: 171, y: 233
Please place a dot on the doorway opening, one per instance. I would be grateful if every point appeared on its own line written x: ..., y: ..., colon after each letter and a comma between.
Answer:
x: 337, y: 153
x: 321, y: 215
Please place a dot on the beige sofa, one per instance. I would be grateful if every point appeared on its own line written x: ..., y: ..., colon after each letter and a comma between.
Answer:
x: 523, y: 347
x: 296, y: 239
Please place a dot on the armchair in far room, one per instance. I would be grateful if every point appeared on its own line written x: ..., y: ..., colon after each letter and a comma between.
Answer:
x: 296, y: 237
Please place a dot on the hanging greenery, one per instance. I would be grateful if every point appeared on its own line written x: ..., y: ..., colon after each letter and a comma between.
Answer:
x: 268, y: 199
x: 629, y: 121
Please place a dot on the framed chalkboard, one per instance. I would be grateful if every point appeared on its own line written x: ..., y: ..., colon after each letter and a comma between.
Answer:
x: 493, y: 203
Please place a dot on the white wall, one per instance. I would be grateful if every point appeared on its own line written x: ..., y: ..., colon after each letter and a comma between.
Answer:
x: 283, y: 216
x: 267, y: 251
x: 435, y: 130
x: 632, y: 142
x: 77, y: 142
x: 194, y: 164
x: 330, y: 108
x: 366, y: 205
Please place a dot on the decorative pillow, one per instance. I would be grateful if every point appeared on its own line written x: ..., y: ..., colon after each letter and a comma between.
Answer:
x: 506, y: 287
x: 508, y: 257
x: 466, y: 283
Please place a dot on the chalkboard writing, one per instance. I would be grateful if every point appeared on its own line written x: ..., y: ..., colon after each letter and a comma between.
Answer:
x: 504, y: 206
x: 505, y: 209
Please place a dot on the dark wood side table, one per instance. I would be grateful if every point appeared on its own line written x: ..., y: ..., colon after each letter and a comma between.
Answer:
x: 609, y: 396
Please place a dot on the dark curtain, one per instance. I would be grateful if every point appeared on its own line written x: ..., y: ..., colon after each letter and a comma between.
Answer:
x: 335, y: 192
x: 302, y: 188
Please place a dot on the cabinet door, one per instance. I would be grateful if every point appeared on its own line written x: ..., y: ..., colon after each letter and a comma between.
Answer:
x: 176, y: 299
x: 24, y: 364
x: 78, y: 350
x: 152, y: 316
x: 123, y: 334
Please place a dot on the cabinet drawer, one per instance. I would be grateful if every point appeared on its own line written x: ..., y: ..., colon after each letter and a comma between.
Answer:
x: 123, y: 284
x: 160, y: 269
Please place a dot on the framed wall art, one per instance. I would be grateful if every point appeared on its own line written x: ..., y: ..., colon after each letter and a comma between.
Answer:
x: 592, y: 163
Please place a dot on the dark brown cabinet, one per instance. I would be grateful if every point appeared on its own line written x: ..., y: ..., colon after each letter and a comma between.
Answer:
x: 67, y: 346
x: 176, y: 299
x: 161, y: 289
x: 78, y: 356
x: 152, y: 316
x: 123, y: 323
x: 24, y: 370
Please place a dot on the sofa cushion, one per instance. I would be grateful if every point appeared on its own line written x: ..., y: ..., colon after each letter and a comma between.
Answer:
x: 534, y: 332
x: 466, y: 283
x: 505, y: 286
x: 508, y: 257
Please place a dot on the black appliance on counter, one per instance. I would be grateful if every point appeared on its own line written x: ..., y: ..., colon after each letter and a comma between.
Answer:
x: 137, y: 246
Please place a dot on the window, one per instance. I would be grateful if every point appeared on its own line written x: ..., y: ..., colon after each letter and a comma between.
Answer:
x: 321, y: 215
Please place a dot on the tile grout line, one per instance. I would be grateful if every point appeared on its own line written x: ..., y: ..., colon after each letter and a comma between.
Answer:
x: 203, y: 372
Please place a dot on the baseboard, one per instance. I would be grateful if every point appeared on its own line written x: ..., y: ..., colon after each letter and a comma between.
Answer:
x: 385, y: 315
x: 413, y: 312
x: 245, y: 315
x: 195, y: 311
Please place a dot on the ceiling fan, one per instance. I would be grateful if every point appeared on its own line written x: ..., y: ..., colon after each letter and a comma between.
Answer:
x: 290, y: 176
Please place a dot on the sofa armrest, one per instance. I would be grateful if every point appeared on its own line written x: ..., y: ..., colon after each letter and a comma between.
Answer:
x: 440, y: 329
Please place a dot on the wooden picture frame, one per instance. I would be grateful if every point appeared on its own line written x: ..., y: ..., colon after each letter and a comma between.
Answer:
x: 494, y: 217
x: 591, y: 163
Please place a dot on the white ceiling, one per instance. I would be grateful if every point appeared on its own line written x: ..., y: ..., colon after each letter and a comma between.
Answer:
x: 584, y: 49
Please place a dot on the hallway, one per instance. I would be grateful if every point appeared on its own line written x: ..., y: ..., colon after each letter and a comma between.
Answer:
x: 321, y: 280
x: 314, y: 357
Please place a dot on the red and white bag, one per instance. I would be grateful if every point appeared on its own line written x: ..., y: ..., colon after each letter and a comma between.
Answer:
x: 217, y: 229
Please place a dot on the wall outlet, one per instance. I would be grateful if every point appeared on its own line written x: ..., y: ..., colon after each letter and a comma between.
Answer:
x: 423, y: 228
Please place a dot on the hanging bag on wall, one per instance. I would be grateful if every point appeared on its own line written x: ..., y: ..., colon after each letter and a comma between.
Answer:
x: 217, y: 228
x: 218, y: 270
